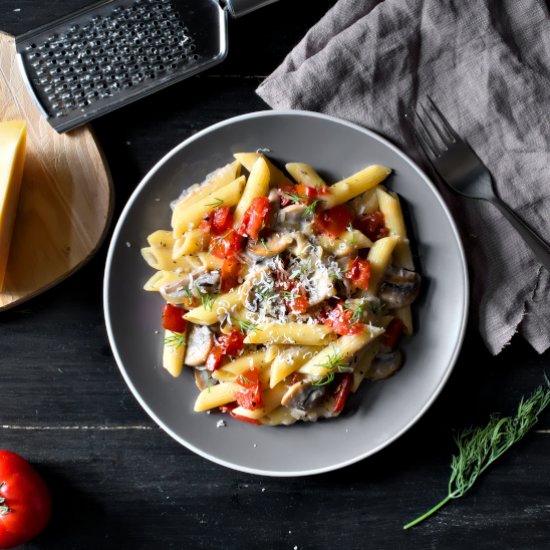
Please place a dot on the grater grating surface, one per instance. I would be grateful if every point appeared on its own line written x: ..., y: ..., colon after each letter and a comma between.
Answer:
x: 115, y: 52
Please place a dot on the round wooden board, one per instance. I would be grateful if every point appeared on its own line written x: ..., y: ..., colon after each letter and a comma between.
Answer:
x: 65, y: 203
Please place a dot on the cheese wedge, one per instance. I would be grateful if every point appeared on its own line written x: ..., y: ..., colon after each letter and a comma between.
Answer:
x: 12, y: 157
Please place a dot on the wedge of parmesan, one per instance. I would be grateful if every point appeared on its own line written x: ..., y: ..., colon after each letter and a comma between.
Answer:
x: 12, y: 157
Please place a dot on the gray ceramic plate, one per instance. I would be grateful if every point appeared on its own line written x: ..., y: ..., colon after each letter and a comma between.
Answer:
x: 380, y: 412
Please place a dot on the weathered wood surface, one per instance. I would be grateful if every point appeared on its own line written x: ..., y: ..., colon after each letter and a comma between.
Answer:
x: 120, y: 482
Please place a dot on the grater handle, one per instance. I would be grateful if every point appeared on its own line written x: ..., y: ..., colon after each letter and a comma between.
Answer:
x: 242, y: 7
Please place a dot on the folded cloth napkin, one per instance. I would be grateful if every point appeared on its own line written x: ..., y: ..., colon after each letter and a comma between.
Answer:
x: 486, y: 64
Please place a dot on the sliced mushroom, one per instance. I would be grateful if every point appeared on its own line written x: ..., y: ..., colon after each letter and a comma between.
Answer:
x: 207, y: 282
x: 321, y: 287
x: 203, y: 378
x: 303, y: 396
x: 274, y: 207
x: 291, y: 217
x: 272, y: 246
x: 176, y: 292
x: 199, y: 344
x: 399, y: 287
x: 385, y: 365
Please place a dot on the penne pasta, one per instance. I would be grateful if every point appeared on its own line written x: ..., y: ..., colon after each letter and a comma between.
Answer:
x: 290, y: 333
x: 216, y: 396
x: 276, y: 177
x: 219, y: 178
x: 223, y: 305
x: 229, y: 195
x: 336, y: 355
x: 354, y: 185
x: 256, y: 186
x: 291, y: 305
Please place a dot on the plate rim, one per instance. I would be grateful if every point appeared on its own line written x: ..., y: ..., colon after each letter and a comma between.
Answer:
x: 115, y: 237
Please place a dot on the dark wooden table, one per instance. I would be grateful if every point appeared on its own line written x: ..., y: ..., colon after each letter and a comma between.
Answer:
x: 119, y: 481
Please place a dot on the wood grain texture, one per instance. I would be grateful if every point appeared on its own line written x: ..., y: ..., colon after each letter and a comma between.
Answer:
x: 65, y: 202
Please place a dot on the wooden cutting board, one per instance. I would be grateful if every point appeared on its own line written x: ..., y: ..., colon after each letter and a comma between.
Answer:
x: 65, y: 203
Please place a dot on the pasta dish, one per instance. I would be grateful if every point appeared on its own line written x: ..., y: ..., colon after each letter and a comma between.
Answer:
x: 282, y: 292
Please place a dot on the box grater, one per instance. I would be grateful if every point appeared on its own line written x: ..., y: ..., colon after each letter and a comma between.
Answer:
x: 116, y: 51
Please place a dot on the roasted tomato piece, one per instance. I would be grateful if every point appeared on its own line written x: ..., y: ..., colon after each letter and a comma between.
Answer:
x: 172, y: 318
x: 221, y: 220
x: 342, y: 391
x: 293, y: 294
x: 215, y: 358
x: 393, y: 333
x: 340, y: 321
x: 358, y: 273
x: 372, y: 225
x: 255, y: 218
x: 250, y: 397
x: 227, y: 245
x: 231, y: 269
x: 232, y: 342
x: 333, y: 221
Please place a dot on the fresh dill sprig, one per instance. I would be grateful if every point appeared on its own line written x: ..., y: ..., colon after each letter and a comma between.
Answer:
x: 216, y: 203
x: 264, y: 244
x: 176, y: 340
x: 334, y: 363
x: 352, y: 233
x: 289, y: 294
x: 338, y: 273
x: 302, y: 199
x: 207, y: 301
x: 245, y: 325
x: 479, y: 447
x: 357, y: 311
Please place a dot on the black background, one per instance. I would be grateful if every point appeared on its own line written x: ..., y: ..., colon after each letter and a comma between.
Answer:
x: 119, y: 481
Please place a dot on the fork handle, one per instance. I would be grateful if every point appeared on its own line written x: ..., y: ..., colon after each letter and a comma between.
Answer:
x: 537, y: 245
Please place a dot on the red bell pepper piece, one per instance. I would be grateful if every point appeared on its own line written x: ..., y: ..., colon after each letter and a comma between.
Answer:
x: 372, y: 225
x: 358, y: 273
x: 333, y: 221
x: 342, y: 391
x: 172, y: 318
x: 255, y: 218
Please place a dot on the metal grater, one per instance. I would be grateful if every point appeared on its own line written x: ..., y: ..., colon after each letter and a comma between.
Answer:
x: 116, y: 51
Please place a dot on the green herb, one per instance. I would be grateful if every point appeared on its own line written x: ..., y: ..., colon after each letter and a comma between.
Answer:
x: 176, y: 340
x: 207, y: 301
x: 357, y: 311
x: 338, y: 273
x: 334, y: 363
x: 288, y: 294
x: 216, y: 203
x: 264, y: 244
x: 302, y: 199
x: 479, y: 447
x: 245, y: 325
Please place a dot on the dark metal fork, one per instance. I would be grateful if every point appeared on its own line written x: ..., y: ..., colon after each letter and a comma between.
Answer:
x: 459, y: 167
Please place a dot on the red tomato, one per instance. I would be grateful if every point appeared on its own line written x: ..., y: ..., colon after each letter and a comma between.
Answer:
x: 215, y: 358
x: 372, y: 225
x: 227, y: 344
x: 285, y: 190
x: 250, y: 397
x: 339, y: 320
x: 393, y: 333
x: 311, y: 192
x: 221, y: 220
x: 231, y: 268
x: 358, y: 273
x: 294, y: 295
x: 333, y: 221
x: 255, y: 218
x: 25, y: 501
x: 342, y: 391
x: 205, y: 225
x: 172, y: 318
x: 226, y: 246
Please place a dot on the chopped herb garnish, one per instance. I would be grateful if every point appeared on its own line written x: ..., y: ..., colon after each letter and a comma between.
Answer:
x: 357, y: 311
x: 245, y: 325
x: 216, y: 203
x: 350, y: 229
x: 264, y: 244
x: 334, y: 363
x: 207, y: 301
x: 176, y: 340
x: 302, y: 199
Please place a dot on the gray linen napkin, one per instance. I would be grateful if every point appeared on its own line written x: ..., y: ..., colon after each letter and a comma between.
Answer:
x: 487, y: 66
